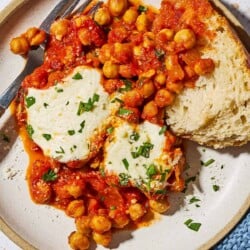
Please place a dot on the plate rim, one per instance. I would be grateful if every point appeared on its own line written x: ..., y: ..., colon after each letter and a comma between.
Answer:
x: 10, y: 9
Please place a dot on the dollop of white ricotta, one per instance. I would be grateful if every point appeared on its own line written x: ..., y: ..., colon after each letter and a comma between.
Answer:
x: 137, y: 153
x: 64, y: 118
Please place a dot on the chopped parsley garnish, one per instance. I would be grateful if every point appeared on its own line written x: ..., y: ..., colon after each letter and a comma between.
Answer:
x: 207, y: 163
x: 61, y: 151
x: 71, y: 132
x: 77, y: 76
x: 151, y: 170
x: 67, y: 103
x: 164, y: 174
x: 216, y: 188
x: 47, y: 136
x: 49, y: 176
x: 58, y: 90
x: 134, y: 136
x: 124, y: 178
x: 117, y: 100
x: 195, y: 226
x: 82, y: 125
x: 123, y: 111
x: 159, y: 54
x: 142, y: 8
x: 144, y: 150
x: 30, y: 130
x: 87, y: 106
x: 113, y: 208
x: 30, y: 100
x: 161, y: 191
x: 72, y: 149
x: 127, y: 87
x: 163, y: 130
x: 110, y: 130
x: 125, y: 163
x: 102, y: 172
x: 190, y: 179
x: 193, y: 200
x: 45, y: 105
x: 4, y: 137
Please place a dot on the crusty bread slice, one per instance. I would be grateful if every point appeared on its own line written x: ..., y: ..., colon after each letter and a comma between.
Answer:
x: 217, y: 111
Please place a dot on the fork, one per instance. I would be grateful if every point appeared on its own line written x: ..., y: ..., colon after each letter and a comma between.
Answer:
x: 35, y: 57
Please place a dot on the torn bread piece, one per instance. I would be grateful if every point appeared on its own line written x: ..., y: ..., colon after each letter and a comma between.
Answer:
x: 216, y: 111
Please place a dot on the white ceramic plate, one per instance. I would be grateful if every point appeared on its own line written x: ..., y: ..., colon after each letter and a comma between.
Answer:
x: 45, y: 228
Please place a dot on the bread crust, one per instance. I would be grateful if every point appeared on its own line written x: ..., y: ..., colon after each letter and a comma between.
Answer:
x: 216, y: 112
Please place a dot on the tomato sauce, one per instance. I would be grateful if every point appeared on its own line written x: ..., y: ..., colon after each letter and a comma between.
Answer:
x: 155, y: 64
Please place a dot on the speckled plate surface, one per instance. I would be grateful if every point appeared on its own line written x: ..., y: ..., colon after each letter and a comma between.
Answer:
x: 33, y: 226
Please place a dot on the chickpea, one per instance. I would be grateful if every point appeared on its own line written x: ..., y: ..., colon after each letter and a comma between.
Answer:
x: 130, y: 16
x: 160, y: 78
x: 142, y: 22
x: 19, y: 45
x: 84, y: 36
x: 102, y: 16
x: 105, y: 53
x: 159, y: 206
x: 175, y: 87
x: 60, y: 28
x: 43, y: 192
x: 171, y: 61
x: 75, y: 208
x: 126, y: 71
x: 120, y: 221
x: 83, y: 225
x: 100, y: 223
x: 102, y: 239
x: 168, y: 34
x: 148, y: 74
x: 35, y: 36
x: 110, y: 70
x: 117, y: 7
x: 164, y: 98
x: 175, y: 71
x: 79, y: 20
x: 186, y: 37
x: 74, y: 190
x: 148, y: 40
x: 150, y: 110
x: 136, y: 211
x: 137, y: 51
x: 122, y: 53
x: 133, y: 98
x: 204, y: 66
x: 147, y: 89
x: 78, y: 241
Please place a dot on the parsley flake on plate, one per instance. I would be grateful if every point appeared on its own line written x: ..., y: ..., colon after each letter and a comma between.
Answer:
x: 195, y: 226
x: 30, y: 100
x: 49, y: 176
x: 77, y: 76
